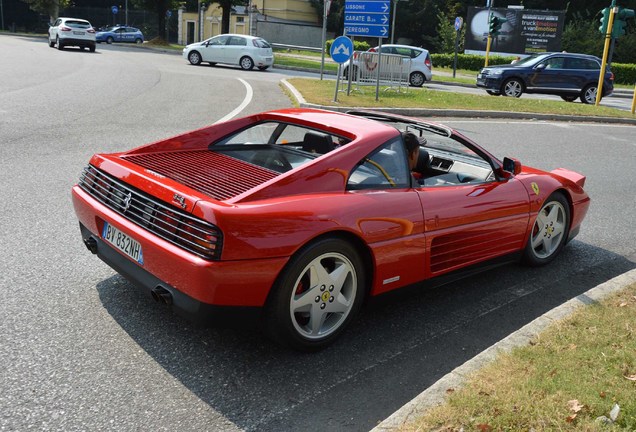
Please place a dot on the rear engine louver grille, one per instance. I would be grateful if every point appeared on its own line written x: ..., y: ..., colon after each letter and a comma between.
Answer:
x: 170, y: 223
x: 216, y: 175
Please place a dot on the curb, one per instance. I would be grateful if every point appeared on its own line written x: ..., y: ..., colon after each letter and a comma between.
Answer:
x: 422, y: 112
x: 436, y: 393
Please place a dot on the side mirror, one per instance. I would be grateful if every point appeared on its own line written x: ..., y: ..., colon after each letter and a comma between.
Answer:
x: 512, y: 165
x: 540, y: 66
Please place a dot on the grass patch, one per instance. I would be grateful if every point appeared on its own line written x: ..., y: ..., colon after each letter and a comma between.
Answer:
x: 570, y: 375
x: 304, y: 63
x: 322, y: 92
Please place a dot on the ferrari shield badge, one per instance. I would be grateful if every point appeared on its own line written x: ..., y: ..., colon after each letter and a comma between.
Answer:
x: 535, y: 188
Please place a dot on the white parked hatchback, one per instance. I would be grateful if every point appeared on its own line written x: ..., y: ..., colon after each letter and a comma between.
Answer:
x: 72, y: 32
x: 245, y: 51
x: 421, y: 65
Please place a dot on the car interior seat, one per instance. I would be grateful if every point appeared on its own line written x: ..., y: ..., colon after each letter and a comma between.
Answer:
x: 423, y: 163
x: 317, y: 143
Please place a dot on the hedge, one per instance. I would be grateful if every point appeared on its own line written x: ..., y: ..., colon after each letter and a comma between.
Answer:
x: 623, y: 73
x: 357, y: 45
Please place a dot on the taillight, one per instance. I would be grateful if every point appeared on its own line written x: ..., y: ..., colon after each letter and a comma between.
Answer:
x: 90, y: 31
x: 355, y: 55
x: 611, y: 76
x: 428, y: 63
x: 64, y: 28
x: 372, y: 50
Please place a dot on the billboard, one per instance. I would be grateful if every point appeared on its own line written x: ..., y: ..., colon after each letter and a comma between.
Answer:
x: 526, y: 31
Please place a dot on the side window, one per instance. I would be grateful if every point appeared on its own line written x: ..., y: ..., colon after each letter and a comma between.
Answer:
x: 219, y: 40
x: 554, y: 63
x: 385, y: 168
x: 235, y: 40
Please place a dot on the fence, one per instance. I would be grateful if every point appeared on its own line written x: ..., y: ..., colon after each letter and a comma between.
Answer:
x: 393, y: 70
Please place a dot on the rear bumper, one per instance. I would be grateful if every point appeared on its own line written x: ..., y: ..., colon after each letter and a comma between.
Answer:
x: 69, y: 41
x: 189, y: 308
x: 197, y: 282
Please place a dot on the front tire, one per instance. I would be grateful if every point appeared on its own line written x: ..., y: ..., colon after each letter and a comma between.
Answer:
x: 194, y: 58
x: 549, y: 232
x: 316, y: 296
x: 588, y: 96
x: 109, y: 40
x: 513, y: 88
x: 246, y: 63
x: 417, y: 79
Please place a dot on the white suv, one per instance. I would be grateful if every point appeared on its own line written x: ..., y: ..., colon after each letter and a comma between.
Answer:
x: 72, y: 32
x: 421, y: 65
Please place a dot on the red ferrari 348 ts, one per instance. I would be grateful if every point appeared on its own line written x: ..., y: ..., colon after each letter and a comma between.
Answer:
x: 298, y: 215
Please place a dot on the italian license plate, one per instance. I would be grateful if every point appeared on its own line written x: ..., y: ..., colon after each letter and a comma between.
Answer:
x: 78, y: 33
x: 123, y: 242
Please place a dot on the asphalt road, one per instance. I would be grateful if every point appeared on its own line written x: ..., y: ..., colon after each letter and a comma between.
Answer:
x: 82, y: 349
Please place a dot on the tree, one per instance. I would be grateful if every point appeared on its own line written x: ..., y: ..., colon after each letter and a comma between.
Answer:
x: 48, y: 7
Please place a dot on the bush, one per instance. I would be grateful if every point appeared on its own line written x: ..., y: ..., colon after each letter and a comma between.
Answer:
x: 357, y: 45
x: 468, y: 61
x: 624, y: 73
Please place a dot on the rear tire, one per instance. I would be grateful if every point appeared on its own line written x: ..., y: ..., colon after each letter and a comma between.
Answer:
x: 58, y: 43
x: 109, y: 40
x: 316, y: 296
x: 588, y: 95
x: 492, y: 93
x: 417, y: 79
x: 262, y: 68
x: 246, y: 63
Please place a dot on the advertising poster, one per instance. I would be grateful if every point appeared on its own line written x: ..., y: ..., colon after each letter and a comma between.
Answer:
x: 525, y: 32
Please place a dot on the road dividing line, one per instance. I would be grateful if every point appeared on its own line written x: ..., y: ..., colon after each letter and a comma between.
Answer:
x: 241, y: 107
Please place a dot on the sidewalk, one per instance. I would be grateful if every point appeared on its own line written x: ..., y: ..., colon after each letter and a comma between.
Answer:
x: 436, y: 394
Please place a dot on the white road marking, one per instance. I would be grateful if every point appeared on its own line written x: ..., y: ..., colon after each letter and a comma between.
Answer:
x: 241, y: 107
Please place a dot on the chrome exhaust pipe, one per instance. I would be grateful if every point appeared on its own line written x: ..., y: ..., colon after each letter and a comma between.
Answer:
x: 161, y: 295
x: 91, y: 244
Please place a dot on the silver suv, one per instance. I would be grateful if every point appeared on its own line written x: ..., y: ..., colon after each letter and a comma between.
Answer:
x: 72, y: 32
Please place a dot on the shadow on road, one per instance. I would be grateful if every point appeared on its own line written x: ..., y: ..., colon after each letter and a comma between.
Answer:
x: 396, y: 348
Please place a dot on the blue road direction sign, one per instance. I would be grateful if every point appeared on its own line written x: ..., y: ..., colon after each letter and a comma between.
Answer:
x: 367, y: 18
x: 341, y: 49
x: 459, y: 21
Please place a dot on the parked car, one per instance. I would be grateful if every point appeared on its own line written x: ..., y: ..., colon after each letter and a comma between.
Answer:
x: 568, y: 75
x: 293, y: 217
x: 420, y: 69
x: 234, y: 49
x: 120, y: 34
x: 77, y: 32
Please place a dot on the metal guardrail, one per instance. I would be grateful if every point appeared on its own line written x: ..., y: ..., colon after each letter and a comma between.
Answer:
x: 296, y: 47
x: 394, y: 69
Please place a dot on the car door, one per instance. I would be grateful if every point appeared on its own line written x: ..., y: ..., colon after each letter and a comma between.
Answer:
x: 214, y: 49
x: 235, y: 49
x: 467, y: 224
x: 579, y: 72
x: 550, y: 76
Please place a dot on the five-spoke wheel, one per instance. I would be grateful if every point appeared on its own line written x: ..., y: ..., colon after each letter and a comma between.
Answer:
x: 512, y: 87
x: 549, y: 232
x: 317, y: 295
x: 588, y: 96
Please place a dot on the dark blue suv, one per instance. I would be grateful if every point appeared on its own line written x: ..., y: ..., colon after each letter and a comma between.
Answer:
x: 567, y: 75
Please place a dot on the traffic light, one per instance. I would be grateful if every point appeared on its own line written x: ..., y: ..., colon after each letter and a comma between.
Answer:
x: 619, y: 21
x: 605, y: 13
x: 495, y: 25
